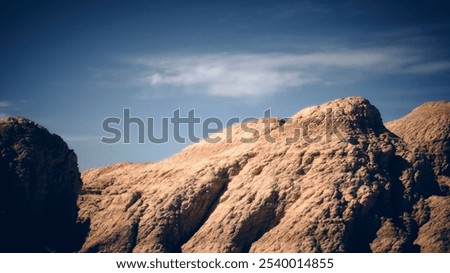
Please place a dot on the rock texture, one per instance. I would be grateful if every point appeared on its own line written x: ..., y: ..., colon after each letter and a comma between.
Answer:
x: 426, y: 130
x: 39, y: 187
x: 330, y: 179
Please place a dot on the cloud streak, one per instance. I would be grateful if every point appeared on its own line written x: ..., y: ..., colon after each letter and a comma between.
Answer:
x: 246, y: 75
x: 4, y: 103
x: 3, y: 106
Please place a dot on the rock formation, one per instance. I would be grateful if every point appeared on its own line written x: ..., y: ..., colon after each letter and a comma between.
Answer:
x: 39, y: 187
x: 426, y: 130
x: 330, y: 179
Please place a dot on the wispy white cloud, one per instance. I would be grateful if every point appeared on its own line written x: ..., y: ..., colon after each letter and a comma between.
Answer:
x: 4, y: 103
x: 3, y: 106
x: 227, y: 75
x: 245, y: 75
x: 429, y: 67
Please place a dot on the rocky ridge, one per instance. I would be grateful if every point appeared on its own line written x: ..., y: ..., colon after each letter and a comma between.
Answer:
x: 331, y: 179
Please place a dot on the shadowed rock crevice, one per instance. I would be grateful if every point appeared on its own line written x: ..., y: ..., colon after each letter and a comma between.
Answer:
x: 134, y: 198
x: 195, y: 211
x: 134, y: 228
x: 257, y: 223
x: 200, y: 207
x: 209, y: 210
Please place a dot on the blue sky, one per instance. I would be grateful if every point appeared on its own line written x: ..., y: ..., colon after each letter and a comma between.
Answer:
x: 68, y: 65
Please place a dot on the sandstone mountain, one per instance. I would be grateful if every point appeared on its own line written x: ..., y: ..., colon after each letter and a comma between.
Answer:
x: 39, y: 187
x: 330, y: 179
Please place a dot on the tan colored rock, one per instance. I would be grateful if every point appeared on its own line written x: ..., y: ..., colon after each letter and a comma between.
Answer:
x: 434, y: 234
x: 331, y: 179
x: 426, y: 130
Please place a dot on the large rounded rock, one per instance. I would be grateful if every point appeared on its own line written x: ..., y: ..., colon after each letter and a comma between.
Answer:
x: 39, y: 186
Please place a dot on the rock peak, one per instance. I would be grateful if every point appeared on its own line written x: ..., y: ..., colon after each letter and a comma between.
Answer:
x: 433, y: 108
x: 351, y: 112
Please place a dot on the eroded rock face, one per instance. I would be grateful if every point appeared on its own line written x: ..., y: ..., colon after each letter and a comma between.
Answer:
x: 39, y: 187
x: 331, y: 179
x: 426, y: 130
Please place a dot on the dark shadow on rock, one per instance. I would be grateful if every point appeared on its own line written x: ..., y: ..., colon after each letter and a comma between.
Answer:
x: 39, y: 187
